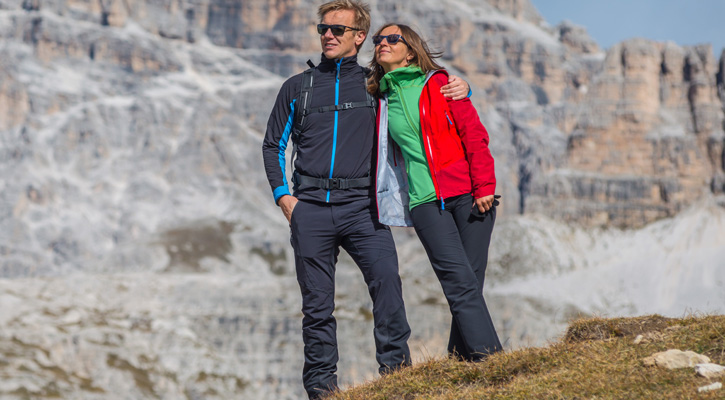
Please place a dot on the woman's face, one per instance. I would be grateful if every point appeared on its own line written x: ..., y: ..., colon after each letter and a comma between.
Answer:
x: 392, y: 56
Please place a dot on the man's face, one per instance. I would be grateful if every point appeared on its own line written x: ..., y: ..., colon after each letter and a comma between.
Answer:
x: 345, y: 45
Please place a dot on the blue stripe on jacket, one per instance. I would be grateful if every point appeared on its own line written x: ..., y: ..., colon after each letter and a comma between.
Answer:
x: 284, y: 189
x: 334, y: 136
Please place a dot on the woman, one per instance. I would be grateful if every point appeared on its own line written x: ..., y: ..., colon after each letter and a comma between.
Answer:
x: 443, y: 185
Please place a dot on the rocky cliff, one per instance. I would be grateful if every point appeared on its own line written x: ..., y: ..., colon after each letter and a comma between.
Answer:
x: 141, y: 255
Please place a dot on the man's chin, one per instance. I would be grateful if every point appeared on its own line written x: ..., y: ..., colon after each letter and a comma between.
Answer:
x: 331, y: 54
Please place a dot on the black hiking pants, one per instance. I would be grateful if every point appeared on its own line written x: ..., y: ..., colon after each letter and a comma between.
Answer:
x: 457, y: 245
x: 318, y: 230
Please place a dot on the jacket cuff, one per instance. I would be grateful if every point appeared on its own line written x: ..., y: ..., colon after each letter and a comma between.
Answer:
x: 281, y: 191
x: 486, y: 190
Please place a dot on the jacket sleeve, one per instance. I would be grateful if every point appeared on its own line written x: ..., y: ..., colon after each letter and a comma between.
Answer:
x: 274, y: 146
x: 474, y: 138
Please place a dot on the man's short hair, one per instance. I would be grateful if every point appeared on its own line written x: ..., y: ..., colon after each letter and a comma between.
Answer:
x: 362, y: 12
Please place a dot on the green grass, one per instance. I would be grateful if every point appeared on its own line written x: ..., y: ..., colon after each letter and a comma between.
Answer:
x: 596, y: 359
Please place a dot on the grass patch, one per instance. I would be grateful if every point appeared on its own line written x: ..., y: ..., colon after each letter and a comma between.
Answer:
x: 596, y: 358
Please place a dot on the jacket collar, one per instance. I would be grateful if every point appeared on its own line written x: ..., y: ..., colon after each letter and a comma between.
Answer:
x: 347, y: 64
x: 404, y: 74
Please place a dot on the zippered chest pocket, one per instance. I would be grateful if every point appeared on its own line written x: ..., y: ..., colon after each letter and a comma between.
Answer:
x: 446, y: 141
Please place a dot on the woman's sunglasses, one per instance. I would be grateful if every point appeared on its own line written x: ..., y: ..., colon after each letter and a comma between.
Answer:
x: 337, y: 30
x: 392, y: 39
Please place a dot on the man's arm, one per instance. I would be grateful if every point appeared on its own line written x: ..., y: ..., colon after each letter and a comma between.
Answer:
x: 274, y: 147
x: 456, y: 89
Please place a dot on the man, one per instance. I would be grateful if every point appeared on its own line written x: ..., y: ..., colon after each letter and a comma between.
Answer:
x: 333, y: 199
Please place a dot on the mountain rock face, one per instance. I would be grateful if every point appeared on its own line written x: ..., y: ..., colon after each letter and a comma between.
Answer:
x: 649, y: 141
x: 141, y: 254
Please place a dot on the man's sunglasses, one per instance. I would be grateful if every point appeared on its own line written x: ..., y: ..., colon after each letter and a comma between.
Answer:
x: 392, y: 39
x: 337, y: 30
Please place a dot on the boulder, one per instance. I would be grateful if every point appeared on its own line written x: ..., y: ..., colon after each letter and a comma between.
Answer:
x: 710, y: 371
x: 709, y: 388
x: 674, y: 359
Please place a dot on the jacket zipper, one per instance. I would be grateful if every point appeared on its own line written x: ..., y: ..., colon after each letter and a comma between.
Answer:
x: 430, y: 155
x: 427, y: 138
x: 334, y: 135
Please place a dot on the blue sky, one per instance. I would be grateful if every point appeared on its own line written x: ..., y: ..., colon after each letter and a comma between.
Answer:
x: 685, y: 22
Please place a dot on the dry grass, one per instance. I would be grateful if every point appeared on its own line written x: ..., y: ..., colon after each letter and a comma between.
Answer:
x: 596, y: 359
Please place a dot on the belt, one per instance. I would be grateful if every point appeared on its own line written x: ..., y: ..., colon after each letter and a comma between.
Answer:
x: 331, y: 183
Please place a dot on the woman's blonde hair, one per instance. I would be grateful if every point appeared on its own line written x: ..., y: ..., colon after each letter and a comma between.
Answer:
x: 423, y: 57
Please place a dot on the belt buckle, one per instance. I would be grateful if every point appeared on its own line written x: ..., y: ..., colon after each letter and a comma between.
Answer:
x: 334, y: 183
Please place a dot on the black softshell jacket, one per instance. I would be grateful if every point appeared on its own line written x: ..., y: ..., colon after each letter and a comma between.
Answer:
x: 333, y: 144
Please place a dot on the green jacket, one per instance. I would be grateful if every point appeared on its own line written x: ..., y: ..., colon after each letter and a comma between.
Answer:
x: 403, y: 87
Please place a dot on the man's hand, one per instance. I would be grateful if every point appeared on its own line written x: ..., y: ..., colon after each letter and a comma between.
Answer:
x: 456, y: 89
x: 484, y: 203
x: 287, y: 203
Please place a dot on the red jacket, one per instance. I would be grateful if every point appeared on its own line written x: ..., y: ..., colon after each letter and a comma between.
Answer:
x: 456, y: 145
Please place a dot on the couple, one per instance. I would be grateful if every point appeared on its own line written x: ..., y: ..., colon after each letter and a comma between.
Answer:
x: 435, y: 173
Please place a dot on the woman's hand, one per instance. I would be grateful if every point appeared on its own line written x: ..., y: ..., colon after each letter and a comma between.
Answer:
x: 484, y: 203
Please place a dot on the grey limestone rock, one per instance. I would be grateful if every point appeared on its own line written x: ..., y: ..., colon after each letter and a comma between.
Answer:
x: 141, y: 254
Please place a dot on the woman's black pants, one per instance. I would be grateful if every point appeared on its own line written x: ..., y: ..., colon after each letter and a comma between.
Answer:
x: 457, y: 245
